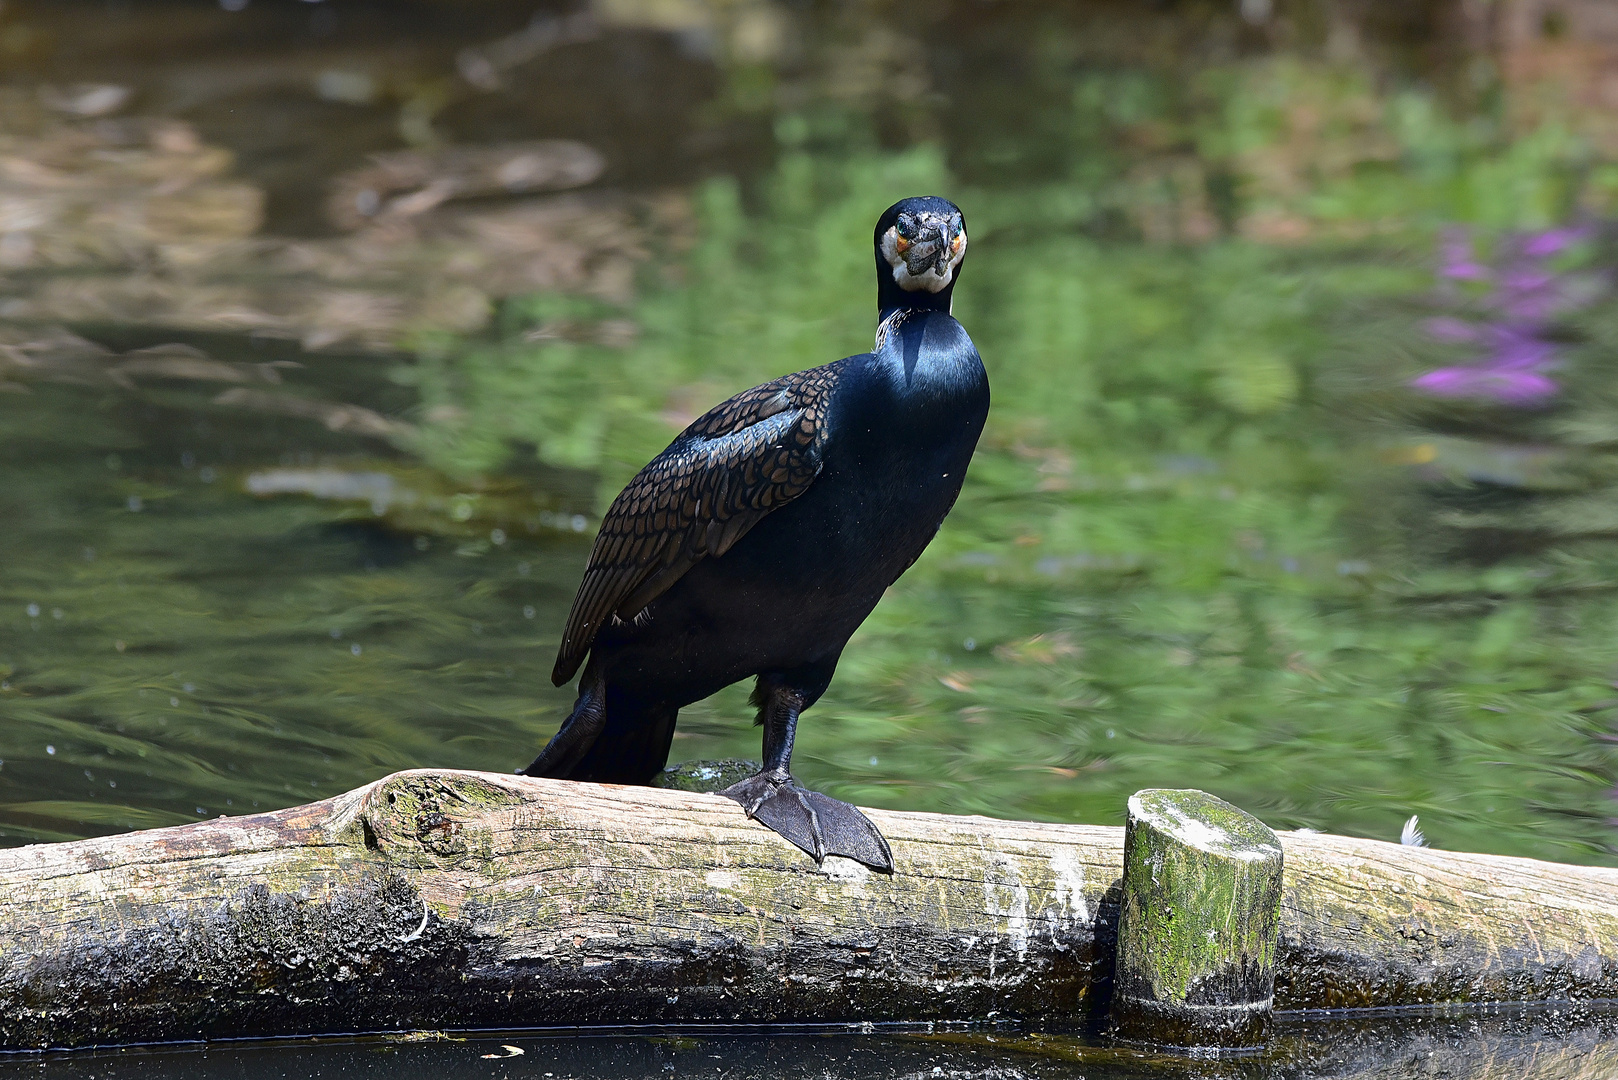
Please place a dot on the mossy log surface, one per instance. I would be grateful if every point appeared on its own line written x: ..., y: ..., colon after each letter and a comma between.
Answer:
x: 435, y: 899
x: 1199, y: 922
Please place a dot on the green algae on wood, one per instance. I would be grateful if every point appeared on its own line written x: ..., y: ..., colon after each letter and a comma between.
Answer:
x: 1198, y: 923
x: 705, y: 775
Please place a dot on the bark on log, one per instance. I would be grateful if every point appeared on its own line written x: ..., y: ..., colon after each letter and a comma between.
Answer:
x: 435, y: 899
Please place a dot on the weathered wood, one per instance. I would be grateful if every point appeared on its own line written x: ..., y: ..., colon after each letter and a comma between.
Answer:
x: 436, y: 899
x: 1198, y: 922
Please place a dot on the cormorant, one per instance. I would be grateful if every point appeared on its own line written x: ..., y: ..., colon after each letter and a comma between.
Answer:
x: 764, y: 535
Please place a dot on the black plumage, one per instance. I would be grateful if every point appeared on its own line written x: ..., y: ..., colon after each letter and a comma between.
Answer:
x: 768, y: 530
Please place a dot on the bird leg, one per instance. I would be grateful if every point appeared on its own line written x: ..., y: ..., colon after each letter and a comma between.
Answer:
x: 814, y: 822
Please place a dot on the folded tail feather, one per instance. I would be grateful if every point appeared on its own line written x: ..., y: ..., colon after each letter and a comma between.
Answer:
x: 609, y: 739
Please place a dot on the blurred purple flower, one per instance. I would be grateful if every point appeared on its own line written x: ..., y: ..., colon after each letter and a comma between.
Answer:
x: 1511, y: 387
x: 1517, y: 348
x: 1466, y: 271
x: 1513, y: 326
x: 1552, y: 241
x: 1524, y: 281
x: 1459, y: 261
x: 1526, y: 293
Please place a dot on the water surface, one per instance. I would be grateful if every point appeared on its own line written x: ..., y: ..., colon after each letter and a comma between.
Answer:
x: 1214, y: 537
x: 1551, y: 1045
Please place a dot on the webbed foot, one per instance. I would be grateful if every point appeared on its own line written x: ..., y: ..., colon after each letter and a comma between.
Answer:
x: 814, y: 822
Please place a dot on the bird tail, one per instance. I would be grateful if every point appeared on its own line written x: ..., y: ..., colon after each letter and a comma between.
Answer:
x: 608, y: 738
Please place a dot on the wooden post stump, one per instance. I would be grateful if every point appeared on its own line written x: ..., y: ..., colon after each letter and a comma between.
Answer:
x: 1198, y: 924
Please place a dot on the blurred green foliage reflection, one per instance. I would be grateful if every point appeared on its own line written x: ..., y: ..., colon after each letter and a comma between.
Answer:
x: 1213, y: 537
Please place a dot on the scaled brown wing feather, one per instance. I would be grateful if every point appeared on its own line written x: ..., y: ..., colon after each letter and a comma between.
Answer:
x: 737, y: 462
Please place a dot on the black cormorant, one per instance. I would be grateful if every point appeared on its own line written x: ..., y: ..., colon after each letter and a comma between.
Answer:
x: 765, y: 534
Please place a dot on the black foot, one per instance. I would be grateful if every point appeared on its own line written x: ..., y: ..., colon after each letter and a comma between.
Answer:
x: 817, y: 823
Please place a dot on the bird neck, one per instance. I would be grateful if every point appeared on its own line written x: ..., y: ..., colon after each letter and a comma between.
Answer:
x: 888, y: 328
x: 891, y: 298
x: 885, y: 311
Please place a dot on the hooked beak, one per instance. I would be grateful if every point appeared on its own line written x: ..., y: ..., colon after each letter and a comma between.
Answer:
x: 935, y: 251
x: 925, y: 260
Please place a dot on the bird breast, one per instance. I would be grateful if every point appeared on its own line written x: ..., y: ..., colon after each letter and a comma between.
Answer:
x: 930, y: 363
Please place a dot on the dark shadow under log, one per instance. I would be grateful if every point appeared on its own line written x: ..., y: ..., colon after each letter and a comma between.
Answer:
x: 436, y: 899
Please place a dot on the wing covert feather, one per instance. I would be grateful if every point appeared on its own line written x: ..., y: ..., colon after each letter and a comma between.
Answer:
x: 732, y: 466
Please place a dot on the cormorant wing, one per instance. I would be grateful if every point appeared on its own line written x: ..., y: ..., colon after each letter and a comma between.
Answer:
x: 720, y: 477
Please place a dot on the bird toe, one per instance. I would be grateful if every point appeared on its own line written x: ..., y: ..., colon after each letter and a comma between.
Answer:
x: 849, y: 833
x: 750, y: 793
x: 790, y: 815
x: 816, y: 823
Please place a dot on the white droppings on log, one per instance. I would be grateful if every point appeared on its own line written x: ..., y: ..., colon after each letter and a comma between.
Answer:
x: 1070, y: 888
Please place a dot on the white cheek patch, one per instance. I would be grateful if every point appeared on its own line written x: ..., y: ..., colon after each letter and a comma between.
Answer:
x: 930, y: 280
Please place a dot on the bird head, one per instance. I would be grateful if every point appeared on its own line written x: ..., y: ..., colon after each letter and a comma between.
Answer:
x: 920, y: 243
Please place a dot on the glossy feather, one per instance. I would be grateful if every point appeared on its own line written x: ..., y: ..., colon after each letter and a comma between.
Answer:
x: 733, y: 465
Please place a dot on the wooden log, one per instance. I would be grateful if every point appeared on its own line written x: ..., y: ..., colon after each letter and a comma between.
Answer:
x: 434, y: 899
x: 1198, y: 923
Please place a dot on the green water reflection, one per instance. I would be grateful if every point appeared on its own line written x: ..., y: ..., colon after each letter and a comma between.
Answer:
x: 1211, y: 539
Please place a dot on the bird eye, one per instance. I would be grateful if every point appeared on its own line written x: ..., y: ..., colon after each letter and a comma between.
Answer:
x: 907, y: 228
